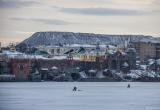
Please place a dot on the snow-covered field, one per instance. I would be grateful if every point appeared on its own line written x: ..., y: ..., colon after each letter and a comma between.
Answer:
x: 93, y: 96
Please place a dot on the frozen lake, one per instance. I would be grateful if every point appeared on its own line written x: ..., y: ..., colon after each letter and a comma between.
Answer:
x: 93, y: 96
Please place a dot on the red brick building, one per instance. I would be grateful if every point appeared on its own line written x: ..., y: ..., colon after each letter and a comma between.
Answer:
x: 20, y: 68
x: 146, y: 50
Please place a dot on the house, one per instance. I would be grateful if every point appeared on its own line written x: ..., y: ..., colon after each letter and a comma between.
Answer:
x: 119, y: 60
x: 154, y: 65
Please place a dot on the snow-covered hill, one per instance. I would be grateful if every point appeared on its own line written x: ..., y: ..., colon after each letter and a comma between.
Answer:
x: 56, y: 38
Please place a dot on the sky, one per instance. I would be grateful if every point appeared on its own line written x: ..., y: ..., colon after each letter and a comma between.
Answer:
x: 19, y: 19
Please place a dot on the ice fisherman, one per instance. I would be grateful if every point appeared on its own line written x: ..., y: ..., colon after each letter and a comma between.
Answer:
x: 128, y: 86
x: 74, y: 88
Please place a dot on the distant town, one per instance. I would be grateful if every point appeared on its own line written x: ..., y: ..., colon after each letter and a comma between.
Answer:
x: 129, y: 61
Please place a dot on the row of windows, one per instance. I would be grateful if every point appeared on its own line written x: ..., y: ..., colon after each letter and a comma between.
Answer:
x: 53, y: 51
x: 85, y: 57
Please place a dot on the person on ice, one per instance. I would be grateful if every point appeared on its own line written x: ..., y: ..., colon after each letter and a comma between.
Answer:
x: 128, y: 86
x: 74, y: 88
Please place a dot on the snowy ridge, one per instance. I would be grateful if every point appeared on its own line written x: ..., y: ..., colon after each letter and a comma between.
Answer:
x: 19, y: 55
x: 56, y: 38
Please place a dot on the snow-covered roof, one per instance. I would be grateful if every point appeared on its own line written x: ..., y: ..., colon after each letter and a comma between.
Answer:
x: 59, y: 57
x: 54, y: 68
x: 143, y: 73
x: 152, y: 61
x: 137, y: 61
x: 110, y: 51
x: 50, y: 46
x: 44, y: 69
x: 56, y: 58
x: 92, y: 71
x: 109, y: 46
x: 80, y: 45
x: 125, y: 64
x: 151, y: 40
x: 15, y: 54
x: 7, y: 52
x: 90, y: 46
x: 143, y: 67
x: 131, y: 50
x: 158, y: 61
x: 10, y: 54
x: 149, y: 60
x: 105, y: 70
x: 83, y: 74
x: 132, y: 75
x: 77, y: 68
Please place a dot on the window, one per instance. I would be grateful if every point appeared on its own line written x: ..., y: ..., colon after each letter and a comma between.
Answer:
x: 58, y: 51
x: 52, y: 51
x: 21, y: 67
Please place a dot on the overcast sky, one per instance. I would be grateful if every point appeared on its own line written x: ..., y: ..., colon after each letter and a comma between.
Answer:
x: 19, y: 19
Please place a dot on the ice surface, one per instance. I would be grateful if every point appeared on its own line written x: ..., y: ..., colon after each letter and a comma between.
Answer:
x: 92, y: 96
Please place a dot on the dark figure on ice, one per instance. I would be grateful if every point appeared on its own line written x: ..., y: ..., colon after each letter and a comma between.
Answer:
x: 74, y: 88
x: 128, y: 86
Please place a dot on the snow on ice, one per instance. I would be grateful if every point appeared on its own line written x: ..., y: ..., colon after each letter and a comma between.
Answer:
x: 92, y: 96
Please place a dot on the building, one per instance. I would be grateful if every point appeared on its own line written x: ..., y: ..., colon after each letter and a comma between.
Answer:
x: 52, y: 50
x: 147, y: 50
x: 0, y: 48
x: 60, y: 50
x: 158, y: 50
x: 131, y: 57
x: 119, y: 60
x: 20, y: 68
x: 4, y: 67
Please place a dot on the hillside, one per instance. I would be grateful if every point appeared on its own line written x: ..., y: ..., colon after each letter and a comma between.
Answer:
x: 56, y: 38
